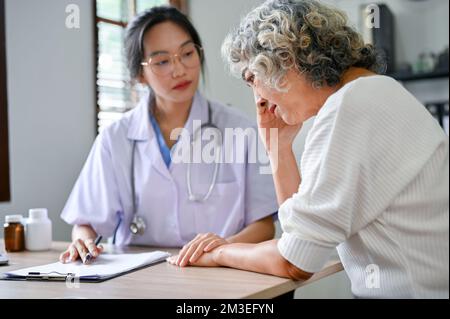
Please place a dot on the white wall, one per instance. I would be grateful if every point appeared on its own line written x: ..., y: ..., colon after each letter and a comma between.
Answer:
x: 420, y: 26
x: 51, y: 104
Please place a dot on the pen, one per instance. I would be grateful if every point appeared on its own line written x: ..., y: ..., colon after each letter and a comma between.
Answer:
x: 88, y: 257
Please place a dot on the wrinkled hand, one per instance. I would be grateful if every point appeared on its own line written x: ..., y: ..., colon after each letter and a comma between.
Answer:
x: 196, y: 251
x: 267, y: 120
x: 79, y: 249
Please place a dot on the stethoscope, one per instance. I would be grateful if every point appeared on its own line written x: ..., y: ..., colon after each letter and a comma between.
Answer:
x: 138, y: 224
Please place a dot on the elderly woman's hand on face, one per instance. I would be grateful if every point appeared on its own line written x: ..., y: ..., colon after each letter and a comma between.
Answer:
x: 269, y: 117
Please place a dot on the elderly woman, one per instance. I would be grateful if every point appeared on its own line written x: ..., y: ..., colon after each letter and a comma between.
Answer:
x: 374, y: 175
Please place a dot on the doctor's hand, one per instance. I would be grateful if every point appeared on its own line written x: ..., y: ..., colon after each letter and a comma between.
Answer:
x: 79, y: 249
x: 191, y: 253
x: 205, y: 260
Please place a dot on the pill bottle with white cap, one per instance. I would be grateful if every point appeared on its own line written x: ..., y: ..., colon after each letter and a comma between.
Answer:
x: 38, y: 230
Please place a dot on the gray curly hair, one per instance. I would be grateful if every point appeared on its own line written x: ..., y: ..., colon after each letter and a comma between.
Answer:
x: 306, y: 34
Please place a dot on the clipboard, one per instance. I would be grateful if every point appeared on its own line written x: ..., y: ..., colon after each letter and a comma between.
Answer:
x: 105, y: 267
x: 3, y: 259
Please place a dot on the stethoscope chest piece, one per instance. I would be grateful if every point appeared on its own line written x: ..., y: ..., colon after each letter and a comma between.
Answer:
x: 137, y: 226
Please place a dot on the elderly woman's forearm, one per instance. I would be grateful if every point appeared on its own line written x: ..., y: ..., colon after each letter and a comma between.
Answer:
x: 262, y: 258
x: 286, y: 174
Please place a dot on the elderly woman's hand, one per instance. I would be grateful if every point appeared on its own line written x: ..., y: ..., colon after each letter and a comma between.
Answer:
x: 269, y: 118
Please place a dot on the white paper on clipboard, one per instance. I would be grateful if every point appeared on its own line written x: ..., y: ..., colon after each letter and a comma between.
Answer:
x: 104, y: 267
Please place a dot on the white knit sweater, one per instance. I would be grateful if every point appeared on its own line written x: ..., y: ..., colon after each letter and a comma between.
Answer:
x: 375, y: 184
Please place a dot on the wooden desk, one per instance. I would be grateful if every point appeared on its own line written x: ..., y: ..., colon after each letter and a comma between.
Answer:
x: 162, y: 281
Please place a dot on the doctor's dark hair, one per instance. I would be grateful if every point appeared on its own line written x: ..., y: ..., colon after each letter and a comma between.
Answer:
x: 134, y: 37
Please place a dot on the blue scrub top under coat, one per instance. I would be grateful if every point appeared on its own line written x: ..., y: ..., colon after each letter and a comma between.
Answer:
x: 165, y: 150
x: 102, y: 193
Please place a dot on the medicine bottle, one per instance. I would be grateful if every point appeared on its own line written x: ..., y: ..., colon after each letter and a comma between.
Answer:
x: 38, y: 230
x: 14, y: 233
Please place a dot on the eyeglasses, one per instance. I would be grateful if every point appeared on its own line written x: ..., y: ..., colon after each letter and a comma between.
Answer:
x: 190, y: 56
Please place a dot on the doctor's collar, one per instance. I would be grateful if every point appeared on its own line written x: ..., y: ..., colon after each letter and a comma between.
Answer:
x: 140, y: 127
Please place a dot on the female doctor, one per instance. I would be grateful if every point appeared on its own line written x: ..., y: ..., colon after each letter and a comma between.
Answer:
x: 131, y: 190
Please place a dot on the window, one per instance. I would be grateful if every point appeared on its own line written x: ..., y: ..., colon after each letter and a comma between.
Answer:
x: 115, y: 94
x: 4, y: 154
